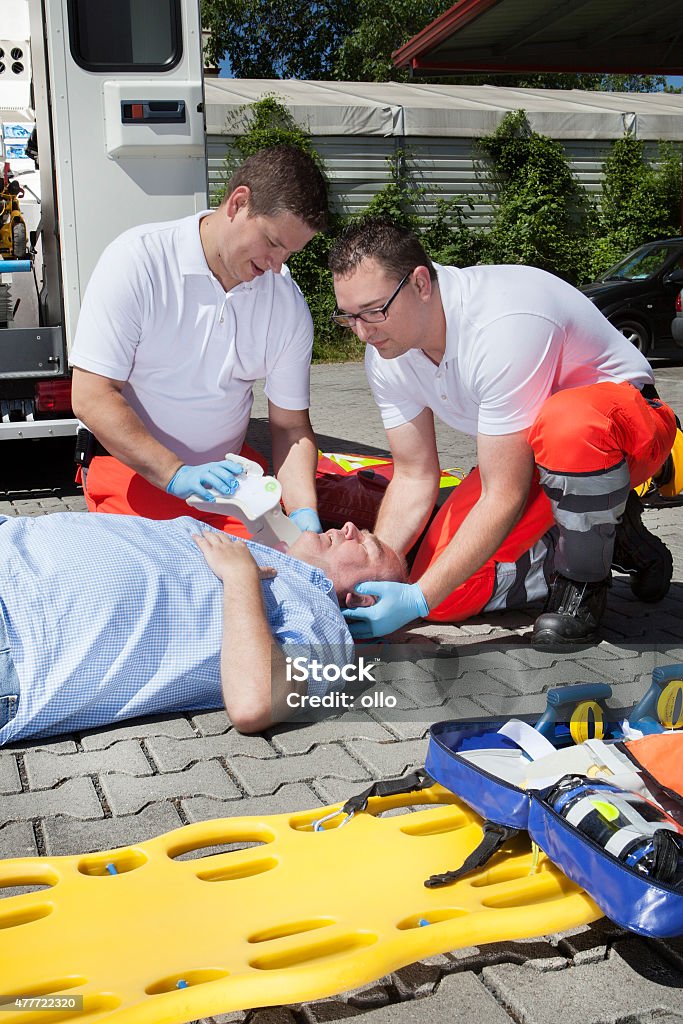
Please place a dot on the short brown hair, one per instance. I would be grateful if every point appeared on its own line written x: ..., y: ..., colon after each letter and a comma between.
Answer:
x: 284, y: 179
x: 395, y: 248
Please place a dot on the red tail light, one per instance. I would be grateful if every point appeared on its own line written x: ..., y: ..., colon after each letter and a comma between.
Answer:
x: 679, y: 303
x: 53, y: 396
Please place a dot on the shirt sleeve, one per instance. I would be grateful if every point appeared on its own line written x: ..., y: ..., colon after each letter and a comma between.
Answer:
x: 391, y: 390
x: 288, y: 376
x: 112, y: 314
x: 512, y: 366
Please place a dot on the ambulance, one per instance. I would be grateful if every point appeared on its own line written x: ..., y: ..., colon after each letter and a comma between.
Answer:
x: 101, y: 128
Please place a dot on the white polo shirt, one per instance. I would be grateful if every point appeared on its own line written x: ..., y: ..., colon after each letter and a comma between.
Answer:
x: 156, y: 317
x: 514, y: 336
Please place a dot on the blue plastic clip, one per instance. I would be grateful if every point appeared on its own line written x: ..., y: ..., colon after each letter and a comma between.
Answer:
x: 112, y: 869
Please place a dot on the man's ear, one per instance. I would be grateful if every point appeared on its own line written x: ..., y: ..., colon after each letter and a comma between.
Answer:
x: 237, y: 200
x: 354, y: 600
x: 423, y: 283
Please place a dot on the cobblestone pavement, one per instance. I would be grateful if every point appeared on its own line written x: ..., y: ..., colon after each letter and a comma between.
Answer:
x: 111, y: 787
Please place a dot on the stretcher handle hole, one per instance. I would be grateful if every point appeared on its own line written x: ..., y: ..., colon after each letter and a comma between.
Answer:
x: 112, y: 863
x: 283, y: 931
x: 190, y: 978
x: 215, y: 850
x: 231, y: 839
x: 24, y: 878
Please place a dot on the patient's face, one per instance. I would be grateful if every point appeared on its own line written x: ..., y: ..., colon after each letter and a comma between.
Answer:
x: 348, y: 556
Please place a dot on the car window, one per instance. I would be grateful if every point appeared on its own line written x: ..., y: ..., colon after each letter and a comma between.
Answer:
x: 640, y: 265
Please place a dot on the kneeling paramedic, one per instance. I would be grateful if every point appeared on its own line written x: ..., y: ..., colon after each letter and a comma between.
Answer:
x: 566, y: 419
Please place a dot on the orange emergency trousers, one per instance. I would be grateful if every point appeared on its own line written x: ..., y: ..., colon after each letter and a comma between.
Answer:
x: 110, y: 486
x: 578, y: 431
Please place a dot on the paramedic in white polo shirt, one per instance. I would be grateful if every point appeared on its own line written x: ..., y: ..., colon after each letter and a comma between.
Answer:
x: 178, y: 321
x: 566, y: 419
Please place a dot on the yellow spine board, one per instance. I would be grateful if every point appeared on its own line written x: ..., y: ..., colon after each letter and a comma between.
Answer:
x: 303, y: 915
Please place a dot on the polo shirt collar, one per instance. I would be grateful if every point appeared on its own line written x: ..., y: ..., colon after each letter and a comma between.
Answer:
x: 451, y: 299
x: 191, y: 258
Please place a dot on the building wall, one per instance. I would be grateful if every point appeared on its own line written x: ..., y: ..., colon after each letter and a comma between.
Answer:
x: 447, y: 167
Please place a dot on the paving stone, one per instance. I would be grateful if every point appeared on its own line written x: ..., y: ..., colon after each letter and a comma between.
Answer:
x: 299, y: 739
x: 18, y: 840
x: 671, y: 950
x: 535, y: 950
x: 350, y: 1003
x: 632, y: 984
x: 590, y: 943
x: 76, y: 798
x: 137, y: 729
x: 128, y: 795
x: 459, y: 997
x: 65, y: 837
x: 410, y: 725
x: 420, y: 979
x: 237, y: 1017
x: 173, y: 755
x: 57, y: 747
x: 266, y: 776
x: 291, y: 797
x: 273, y: 1015
x: 336, y: 791
x: 10, y: 780
x: 389, y: 760
x: 532, y: 705
x: 45, y: 769
x: 210, y: 723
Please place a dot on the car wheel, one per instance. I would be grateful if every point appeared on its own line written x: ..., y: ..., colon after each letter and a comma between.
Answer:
x: 635, y: 332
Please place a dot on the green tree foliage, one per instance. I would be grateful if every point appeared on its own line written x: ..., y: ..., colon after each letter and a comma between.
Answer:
x: 352, y: 40
x: 541, y: 209
x: 347, y: 39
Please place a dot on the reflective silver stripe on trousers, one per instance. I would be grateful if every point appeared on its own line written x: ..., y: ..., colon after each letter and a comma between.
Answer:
x: 522, y: 582
x: 587, y: 509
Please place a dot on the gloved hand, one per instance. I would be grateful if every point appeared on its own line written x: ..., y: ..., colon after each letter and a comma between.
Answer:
x: 396, y: 605
x: 191, y: 480
x: 306, y: 519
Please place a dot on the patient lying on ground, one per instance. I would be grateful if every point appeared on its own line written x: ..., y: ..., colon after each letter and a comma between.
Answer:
x: 104, y: 618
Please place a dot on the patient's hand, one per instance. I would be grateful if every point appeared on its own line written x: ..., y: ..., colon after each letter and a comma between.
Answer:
x: 229, y: 558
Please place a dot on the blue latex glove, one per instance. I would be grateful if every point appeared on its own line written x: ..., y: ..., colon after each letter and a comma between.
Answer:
x: 306, y: 519
x: 191, y: 480
x: 396, y: 605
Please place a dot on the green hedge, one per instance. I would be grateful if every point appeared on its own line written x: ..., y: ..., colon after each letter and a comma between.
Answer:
x: 542, y: 217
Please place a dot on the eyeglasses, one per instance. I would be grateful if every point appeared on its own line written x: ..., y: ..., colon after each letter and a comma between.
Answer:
x: 369, y: 316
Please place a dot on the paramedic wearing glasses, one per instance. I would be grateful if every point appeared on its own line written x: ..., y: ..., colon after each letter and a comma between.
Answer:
x: 566, y: 420
x: 178, y: 321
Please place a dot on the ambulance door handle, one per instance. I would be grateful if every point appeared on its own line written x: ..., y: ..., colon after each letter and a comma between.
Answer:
x: 153, y: 112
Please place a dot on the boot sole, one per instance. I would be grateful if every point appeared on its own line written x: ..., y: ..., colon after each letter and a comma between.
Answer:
x: 548, y: 640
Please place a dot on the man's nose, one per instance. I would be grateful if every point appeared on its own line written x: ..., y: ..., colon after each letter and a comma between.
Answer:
x: 350, y: 531
x: 364, y: 331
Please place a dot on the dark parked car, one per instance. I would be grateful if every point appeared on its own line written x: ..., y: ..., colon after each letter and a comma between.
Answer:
x: 639, y: 294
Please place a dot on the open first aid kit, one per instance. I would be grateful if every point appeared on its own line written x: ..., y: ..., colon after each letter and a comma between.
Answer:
x: 608, y: 814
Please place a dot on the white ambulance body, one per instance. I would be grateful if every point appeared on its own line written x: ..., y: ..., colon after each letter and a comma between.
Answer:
x: 115, y: 90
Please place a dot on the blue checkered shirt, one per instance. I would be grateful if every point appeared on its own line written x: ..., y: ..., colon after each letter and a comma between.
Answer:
x: 110, y: 617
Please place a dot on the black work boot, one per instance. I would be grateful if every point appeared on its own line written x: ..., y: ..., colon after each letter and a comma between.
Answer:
x: 572, y: 613
x: 638, y: 552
